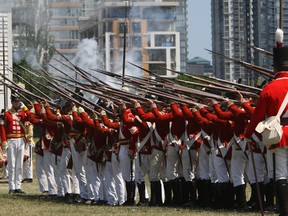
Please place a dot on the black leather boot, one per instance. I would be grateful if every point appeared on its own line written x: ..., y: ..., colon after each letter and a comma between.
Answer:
x: 141, y: 189
x: 205, y: 201
x: 130, y: 189
x: 168, y: 193
x: 256, y: 199
x: 269, y: 196
x: 158, y: 193
x: 282, y: 195
x: 192, y: 191
x: 241, y: 198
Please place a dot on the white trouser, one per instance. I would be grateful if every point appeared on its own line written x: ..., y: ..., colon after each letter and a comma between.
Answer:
x: 75, y: 182
x: 63, y: 174
x: 93, y: 172
x: 58, y: 179
x: 157, y: 166
x: 126, y: 163
x: 189, y: 163
x: 118, y: 178
x: 28, y: 164
x: 109, y: 184
x: 142, y: 169
x: 281, y: 155
x: 221, y: 169
x: 213, y: 173
x: 259, y: 166
x: 49, y: 168
x: 239, y: 163
x: 203, y: 165
x: 41, y: 176
x: 174, y: 167
x: 15, y: 157
x: 78, y: 164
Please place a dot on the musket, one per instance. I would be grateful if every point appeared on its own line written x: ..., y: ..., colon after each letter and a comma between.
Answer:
x: 79, y: 70
x: 169, y: 86
x: 29, y: 71
x: 67, y: 91
x: 199, y: 79
x: 85, y: 72
x: 44, y: 71
x: 89, y: 102
x: 66, y: 75
x: 176, y: 88
x: 120, y: 76
x: 98, y: 94
x: 33, y: 87
x: 250, y: 46
x: 24, y: 91
x: 28, y: 83
x: 165, y: 80
x: 236, y: 84
x: 60, y: 92
x: 258, y: 69
x: 219, y: 88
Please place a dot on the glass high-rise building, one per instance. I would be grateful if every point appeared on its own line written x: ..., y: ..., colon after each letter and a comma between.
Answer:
x: 249, y: 22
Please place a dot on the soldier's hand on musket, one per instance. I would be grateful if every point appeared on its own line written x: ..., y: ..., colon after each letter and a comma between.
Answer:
x: 240, y: 96
x: 122, y: 104
x: 94, y: 115
x: 213, y: 101
x: 102, y: 112
x: 35, y: 101
x: 149, y: 101
x: 45, y: 103
x: 133, y: 101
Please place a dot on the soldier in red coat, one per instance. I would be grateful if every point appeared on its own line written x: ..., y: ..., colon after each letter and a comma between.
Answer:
x: 13, y: 135
x: 115, y: 163
x: 268, y: 105
x: 158, y: 160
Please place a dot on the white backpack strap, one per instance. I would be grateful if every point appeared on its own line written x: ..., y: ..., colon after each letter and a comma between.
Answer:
x: 283, y: 105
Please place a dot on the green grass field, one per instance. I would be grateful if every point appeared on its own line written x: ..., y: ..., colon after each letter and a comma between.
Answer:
x: 31, y: 204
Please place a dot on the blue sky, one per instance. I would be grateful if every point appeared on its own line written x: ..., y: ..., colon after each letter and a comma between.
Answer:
x: 199, y: 28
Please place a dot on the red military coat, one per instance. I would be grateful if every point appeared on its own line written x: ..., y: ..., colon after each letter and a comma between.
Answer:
x: 268, y: 105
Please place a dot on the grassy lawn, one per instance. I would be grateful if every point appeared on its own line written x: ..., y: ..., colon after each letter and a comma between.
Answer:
x: 31, y: 204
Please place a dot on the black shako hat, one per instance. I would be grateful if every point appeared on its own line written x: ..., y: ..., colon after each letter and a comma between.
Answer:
x: 280, y: 56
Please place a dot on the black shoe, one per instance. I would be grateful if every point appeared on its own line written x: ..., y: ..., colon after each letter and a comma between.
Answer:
x: 19, y: 191
x: 77, y: 198
x: 69, y: 198
x: 143, y: 203
x: 27, y: 180
x: 11, y: 192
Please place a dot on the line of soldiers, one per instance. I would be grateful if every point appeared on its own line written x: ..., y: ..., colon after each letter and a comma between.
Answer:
x: 194, y: 156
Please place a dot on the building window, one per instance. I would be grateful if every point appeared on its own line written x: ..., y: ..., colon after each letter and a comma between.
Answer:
x: 157, y: 55
x: 136, y: 27
x: 121, y: 27
x: 137, y: 41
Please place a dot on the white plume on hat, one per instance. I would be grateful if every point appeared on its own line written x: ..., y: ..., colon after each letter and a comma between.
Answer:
x: 279, y: 35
